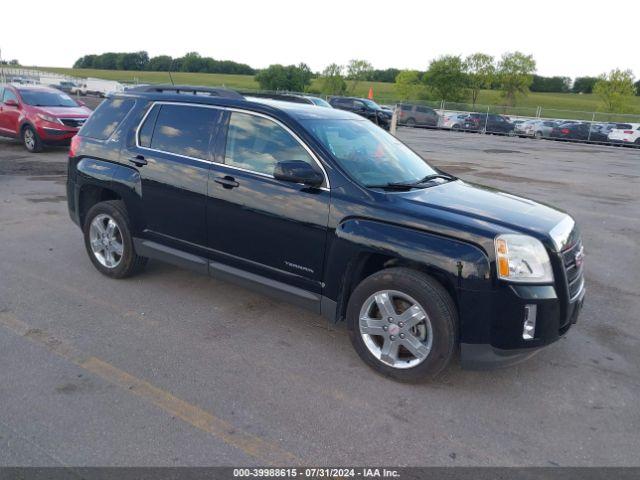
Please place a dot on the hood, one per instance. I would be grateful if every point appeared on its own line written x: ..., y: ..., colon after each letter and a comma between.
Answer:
x: 496, y: 211
x: 64, y: 112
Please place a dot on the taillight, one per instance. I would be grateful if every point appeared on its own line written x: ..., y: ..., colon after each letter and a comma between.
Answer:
x: 565, y: 131
x: 628, y: 132
x: 75, y: 144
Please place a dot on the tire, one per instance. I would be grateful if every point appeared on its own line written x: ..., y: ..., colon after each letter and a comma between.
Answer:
x: 538, y: 135
x: 112, y: 255
x: 31, y: 139
x: 411, y: 123
x: 455, y: 127
x: 435, y: 334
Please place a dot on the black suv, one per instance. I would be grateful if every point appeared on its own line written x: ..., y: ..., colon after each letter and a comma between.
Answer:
x: 322, y: 208
x: 489, y: 123
x: 365, y: 108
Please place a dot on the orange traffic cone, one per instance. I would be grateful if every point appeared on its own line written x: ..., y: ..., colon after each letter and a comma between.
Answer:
x: 370, y: 97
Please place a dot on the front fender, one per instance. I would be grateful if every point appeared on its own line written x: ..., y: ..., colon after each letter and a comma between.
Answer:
x: 463, y: 266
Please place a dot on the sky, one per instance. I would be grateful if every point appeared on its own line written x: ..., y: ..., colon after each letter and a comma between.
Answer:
x: 568, y: 37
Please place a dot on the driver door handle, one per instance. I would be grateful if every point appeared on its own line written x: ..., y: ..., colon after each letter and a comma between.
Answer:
x: 227, y: 181
x: 138, y: 160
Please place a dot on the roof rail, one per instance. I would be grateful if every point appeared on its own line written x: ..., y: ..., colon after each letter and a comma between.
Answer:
x: 190, y: 89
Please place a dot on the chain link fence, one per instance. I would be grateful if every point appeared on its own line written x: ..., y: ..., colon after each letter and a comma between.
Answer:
x: 538, y: 122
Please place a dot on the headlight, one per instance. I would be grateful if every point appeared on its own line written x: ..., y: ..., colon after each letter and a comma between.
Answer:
x: 48, y: 118
x: 522, y: 259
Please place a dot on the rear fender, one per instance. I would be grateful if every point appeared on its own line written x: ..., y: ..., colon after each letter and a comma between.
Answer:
x: 124, y: 181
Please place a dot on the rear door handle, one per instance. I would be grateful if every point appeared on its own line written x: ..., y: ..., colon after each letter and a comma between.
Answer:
x: 138, y: 160
x: 227, y: 182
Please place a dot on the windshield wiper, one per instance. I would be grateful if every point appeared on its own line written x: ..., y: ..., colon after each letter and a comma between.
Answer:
x: 395, y: 186
x: 433, y: 176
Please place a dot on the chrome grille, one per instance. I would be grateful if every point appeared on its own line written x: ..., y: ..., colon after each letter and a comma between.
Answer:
x: 572, y: 259
x: 73, y: 122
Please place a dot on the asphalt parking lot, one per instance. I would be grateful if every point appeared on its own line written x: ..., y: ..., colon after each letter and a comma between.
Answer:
x: 171, y: 368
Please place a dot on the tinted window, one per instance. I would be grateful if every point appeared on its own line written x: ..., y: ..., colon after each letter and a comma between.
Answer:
x: 146, y: 131
x: 9, y: 95
x: 424, y: 110
x: 256, y: 144
x: 406, y: 108
x: 184, y: 130
x: 106, y: 118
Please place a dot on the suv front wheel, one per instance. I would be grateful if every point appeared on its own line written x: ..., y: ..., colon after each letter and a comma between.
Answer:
x: 403, y: 324
x: 108, y: 240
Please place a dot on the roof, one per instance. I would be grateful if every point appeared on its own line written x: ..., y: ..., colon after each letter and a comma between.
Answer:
x: 297, y: 111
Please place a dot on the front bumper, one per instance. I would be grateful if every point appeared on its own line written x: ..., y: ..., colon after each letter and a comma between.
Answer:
x: 492, y: 324
x: 549, y: 329
x: 55, y: 134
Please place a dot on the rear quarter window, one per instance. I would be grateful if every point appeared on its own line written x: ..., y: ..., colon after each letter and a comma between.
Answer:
x: 106, y: 118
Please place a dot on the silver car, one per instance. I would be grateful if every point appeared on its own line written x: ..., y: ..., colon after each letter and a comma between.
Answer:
x: 541, y: 128
x: 454, y: 121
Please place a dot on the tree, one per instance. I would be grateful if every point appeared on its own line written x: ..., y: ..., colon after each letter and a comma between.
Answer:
x: 615, y: 89
x: 388, y: 75
x: 515, y: 73
x: 332, y: 82
x: 446, y: 78
x: 550, y: 84
x: 584, y: 84
x: 291, y: 78
x: 408, y: 85
x: 161, y: 63
x: 133, y: 61
x: 357, y: 71
x: 192, y: 62
x: 480, y: 73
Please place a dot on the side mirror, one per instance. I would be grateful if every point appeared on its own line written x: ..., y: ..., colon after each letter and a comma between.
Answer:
x: 11, y: 103
x: 297, y: 171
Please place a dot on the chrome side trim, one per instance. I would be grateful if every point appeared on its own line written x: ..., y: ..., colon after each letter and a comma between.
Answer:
x: 230, y: 109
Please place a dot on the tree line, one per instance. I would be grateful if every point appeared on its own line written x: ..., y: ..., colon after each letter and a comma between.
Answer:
x: 450, y: 77
x: 138, y: 61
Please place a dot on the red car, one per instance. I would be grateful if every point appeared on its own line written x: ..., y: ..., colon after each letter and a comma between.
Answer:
x: 39, y: 116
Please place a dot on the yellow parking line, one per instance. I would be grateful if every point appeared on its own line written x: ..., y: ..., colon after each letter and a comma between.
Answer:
x: 263, y: 450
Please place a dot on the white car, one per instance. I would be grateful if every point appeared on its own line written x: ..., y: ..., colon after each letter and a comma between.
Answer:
x: 629, y: 135
x: 454, y: 121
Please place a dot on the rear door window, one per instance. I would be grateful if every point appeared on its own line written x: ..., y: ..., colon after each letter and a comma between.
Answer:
x: 184, y: 130
x: 106, y: 118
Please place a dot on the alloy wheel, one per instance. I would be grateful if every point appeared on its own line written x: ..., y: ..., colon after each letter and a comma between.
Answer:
x: 395, y: 329
x: 29, y: 139
x: 106, y: 241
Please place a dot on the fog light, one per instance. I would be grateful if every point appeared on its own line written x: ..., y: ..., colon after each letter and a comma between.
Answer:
x: 529, y: 326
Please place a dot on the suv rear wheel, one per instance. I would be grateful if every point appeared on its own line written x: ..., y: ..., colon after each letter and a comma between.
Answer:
x: 403, y: 324
x: 107, y: 238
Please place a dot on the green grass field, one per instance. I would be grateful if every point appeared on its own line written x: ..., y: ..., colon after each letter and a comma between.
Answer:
x: 558, y: 105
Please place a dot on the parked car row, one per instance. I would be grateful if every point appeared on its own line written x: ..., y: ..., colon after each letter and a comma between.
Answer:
x: 615, y: 133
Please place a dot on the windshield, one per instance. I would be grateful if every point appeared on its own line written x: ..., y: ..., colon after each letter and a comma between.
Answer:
x: 371, y: 104
x: 47, y: 99
x: 370, y: 155
x: 320, y: 102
